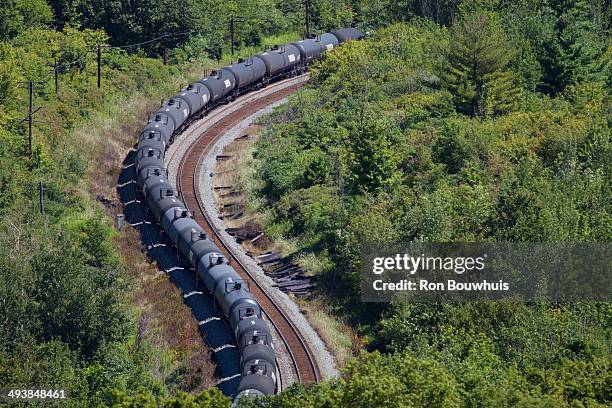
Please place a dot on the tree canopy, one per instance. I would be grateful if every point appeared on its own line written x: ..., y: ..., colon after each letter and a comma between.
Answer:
x: 481, y: 130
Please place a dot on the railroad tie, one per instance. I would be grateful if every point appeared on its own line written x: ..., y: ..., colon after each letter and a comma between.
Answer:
x: 223, y: 347
x: 140, y: 223
x: 126, y: 183
x: 134, y: 201
x: 193, y: 292
x: 231, y: 377
x: 210, y: 319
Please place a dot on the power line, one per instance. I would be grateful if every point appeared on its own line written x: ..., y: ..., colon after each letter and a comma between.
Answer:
x: 145, y: 42
x: 64, y: 66
x: 168, y: 36
x: 98, y: 49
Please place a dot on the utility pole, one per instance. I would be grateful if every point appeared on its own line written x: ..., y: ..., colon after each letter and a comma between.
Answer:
x: 31, y: 111
x: 232, y: 35
x: 307, y: 17
x: 233, y: 21
x: 41, y: 189
x: 99, y: 63
x: 99, y: 49
x: 164, y: 46
x: 31, y: 98
x: 55, y: 67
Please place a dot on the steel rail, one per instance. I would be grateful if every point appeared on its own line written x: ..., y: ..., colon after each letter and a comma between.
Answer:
x: 187, y: 183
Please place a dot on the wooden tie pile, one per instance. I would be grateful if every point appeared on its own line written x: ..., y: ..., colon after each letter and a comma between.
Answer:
x: 287, y: 276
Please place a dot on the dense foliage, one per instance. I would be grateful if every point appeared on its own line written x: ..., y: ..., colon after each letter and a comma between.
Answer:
x: 471, y: 121
x: 205, y: 23
x: 493, y: 128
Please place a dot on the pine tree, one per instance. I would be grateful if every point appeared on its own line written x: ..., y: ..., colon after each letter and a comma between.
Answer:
x: 477, y: 72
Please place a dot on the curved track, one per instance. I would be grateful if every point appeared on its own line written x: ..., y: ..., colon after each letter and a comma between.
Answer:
x: 188, y: 180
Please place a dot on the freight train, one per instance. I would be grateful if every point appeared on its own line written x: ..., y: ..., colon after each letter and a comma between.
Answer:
x: 230, y: 291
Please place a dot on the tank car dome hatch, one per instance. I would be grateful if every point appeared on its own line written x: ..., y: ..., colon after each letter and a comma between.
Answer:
x: 219, y: 83
x: 151, y: 134
x: 147, y: 172
x: 162, y: 123
x: 245, y: 311
x: 152, y: 139
x: 248, y: 327
x: 348, y: 34
x: 254, y: 381
x: 177, y: 109
x: 197, y: 235
x: 258, y: 366
x: 211, y: 260
x: 258, y: 352
x: 196, y: 95
x: 256, y: 339
x: 328, y: 42
x: 247, y: 308
x: 169, y: 216
x: 220, y: 273
x: 148, y: 158
x: 186, y: 245
x: 164, y: 203
x: 185, y: 236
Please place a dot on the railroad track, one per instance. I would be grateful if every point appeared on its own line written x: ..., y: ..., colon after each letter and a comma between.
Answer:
x: 188, y: 177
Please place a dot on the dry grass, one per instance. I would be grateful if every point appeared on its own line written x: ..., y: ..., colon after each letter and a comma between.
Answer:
x: 177, y: 328
x: 340, y: 338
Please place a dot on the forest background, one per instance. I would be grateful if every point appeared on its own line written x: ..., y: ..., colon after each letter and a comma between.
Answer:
x: 453, y: 121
